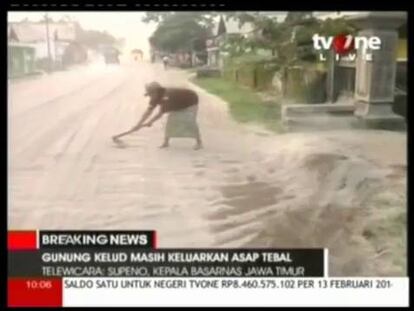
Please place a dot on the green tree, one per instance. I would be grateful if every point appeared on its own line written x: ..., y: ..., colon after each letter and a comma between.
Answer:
x: 200, y: 17
x: 290, y: 41
x: 333, y: 27
x: 293, y: 17
x: 180, y: 31
x: 268, y: 34
x: 155, y: 17
x: 95, y: 39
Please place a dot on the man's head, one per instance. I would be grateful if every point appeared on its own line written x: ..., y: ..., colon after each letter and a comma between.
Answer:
x: 153, y: 89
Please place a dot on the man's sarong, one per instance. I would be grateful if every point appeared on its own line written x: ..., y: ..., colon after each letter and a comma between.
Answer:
x: 182, y: 123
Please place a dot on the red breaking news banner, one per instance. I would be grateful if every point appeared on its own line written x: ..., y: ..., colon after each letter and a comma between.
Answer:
x: 35, y: 292
x: 21, y: 240
x: 31, y: 292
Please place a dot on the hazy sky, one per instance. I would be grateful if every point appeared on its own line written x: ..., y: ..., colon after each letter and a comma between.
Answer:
x: 126, y: 25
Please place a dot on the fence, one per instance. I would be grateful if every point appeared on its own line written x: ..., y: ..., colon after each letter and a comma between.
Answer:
x: 257, y: 76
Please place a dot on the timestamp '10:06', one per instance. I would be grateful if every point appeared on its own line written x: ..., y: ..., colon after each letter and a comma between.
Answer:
x: 38, y: 284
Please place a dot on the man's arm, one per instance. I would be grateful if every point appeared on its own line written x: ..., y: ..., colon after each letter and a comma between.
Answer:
x: 144, y: 117
x: 155, y: 118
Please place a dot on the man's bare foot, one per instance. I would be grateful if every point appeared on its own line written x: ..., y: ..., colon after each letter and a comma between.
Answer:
x: 116, y: 139
x: 164, y: 146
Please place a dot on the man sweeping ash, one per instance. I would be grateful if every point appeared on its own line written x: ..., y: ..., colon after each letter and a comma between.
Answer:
x: 180, y: 104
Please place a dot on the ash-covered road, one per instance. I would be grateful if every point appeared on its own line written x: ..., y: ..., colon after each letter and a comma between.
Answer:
x: 245, y: 188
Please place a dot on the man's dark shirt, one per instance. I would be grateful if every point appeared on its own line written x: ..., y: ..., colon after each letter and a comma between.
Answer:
x: 173, y: 99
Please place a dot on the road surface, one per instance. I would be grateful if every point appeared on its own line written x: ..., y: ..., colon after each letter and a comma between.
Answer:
x: 246, y: 188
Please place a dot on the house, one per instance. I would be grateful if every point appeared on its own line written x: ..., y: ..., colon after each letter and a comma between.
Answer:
x: 223, y: 30
x: 54, y: 43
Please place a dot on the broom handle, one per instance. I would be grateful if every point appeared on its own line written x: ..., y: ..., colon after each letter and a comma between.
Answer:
x: 126, y: 133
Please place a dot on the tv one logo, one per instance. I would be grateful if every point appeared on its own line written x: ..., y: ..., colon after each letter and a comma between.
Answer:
x: 346, y: 45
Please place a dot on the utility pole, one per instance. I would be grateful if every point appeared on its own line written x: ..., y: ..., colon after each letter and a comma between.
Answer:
x: 55, y: 40
x: 49, y: 57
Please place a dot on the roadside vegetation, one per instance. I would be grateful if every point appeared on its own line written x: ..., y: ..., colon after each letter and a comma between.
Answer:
x: 245, y: 105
